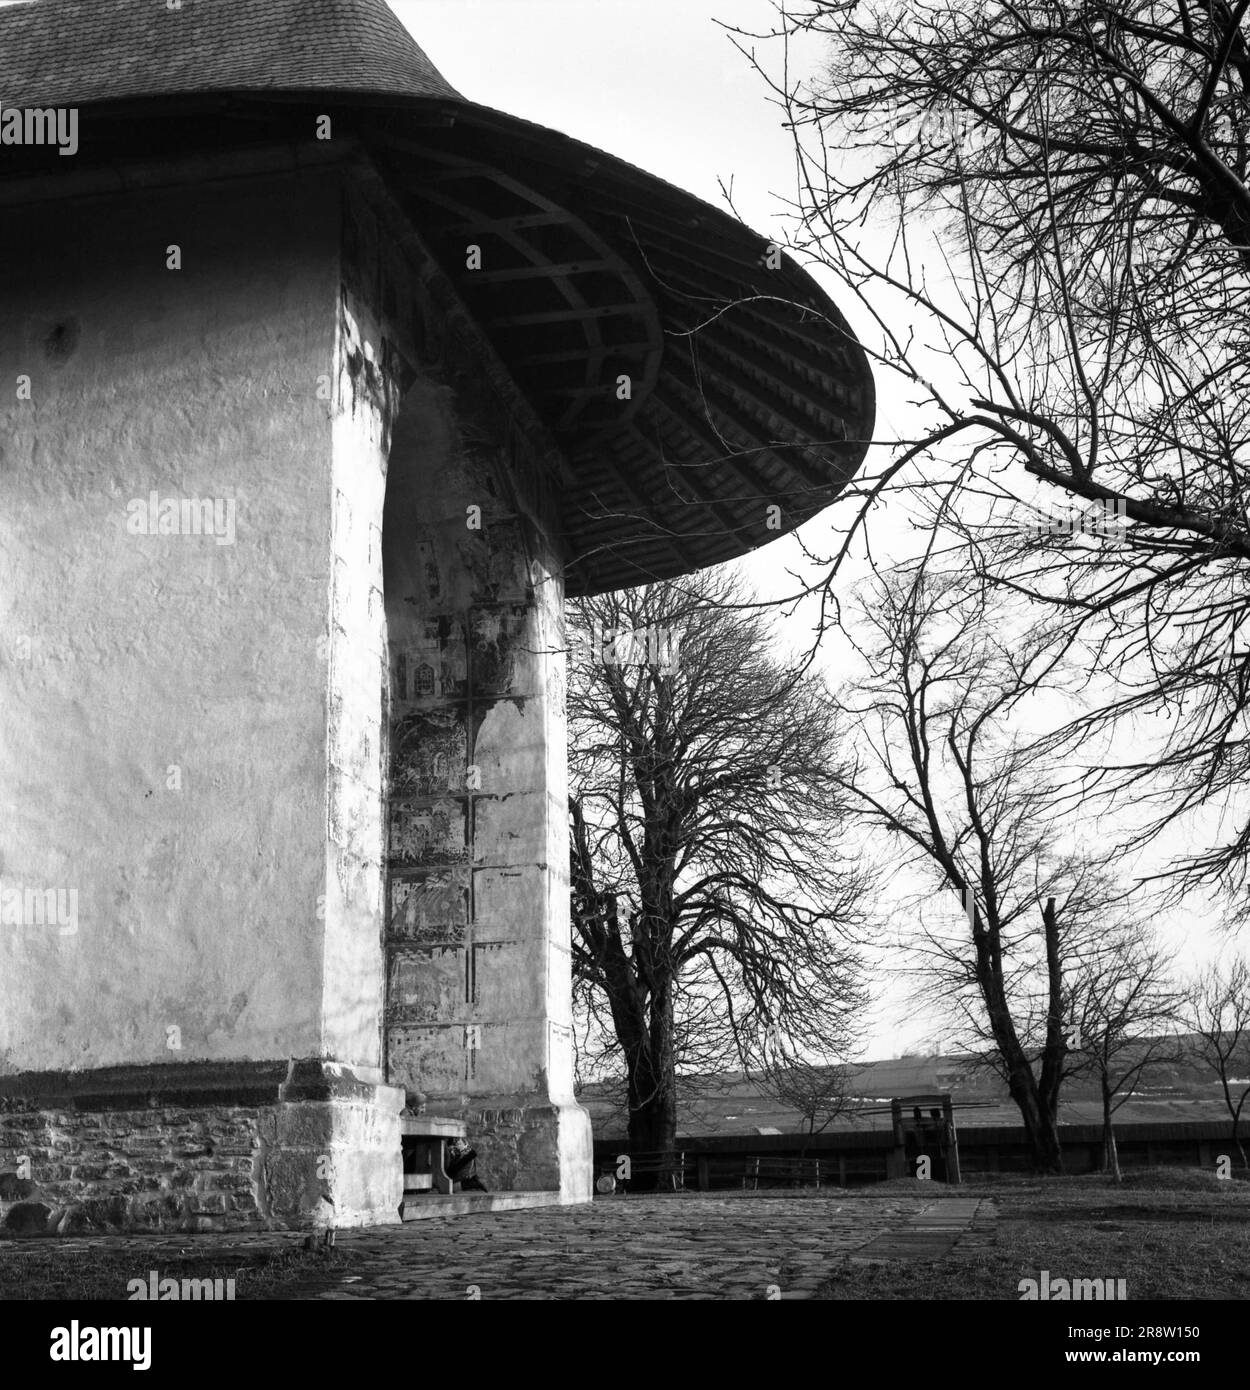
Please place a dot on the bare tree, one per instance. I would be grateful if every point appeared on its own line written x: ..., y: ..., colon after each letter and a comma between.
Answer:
x: 817, y: 1094
x: 1123, y: 1006
x: 945, y: 772
x: 1042, y: 207
x: 711, y: 903
x: 1217, y: 1009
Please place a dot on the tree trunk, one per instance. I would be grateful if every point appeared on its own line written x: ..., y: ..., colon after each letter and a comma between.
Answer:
x: 1055, y: 1047
x: 1038, y: 1111
x: 1040, y: 1128
x: 1234, y: 1112
x: 1110, y: 1154
x: 653, y: 1133
x: 653, y: 1098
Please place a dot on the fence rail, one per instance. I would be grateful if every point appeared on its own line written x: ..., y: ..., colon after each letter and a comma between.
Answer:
x: 681, y: 1170
x: 723, y: 1162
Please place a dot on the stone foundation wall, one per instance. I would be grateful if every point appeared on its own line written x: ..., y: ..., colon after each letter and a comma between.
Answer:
x: 326, y: 1152
x: 534, y: 1147
x: 143, y: 1170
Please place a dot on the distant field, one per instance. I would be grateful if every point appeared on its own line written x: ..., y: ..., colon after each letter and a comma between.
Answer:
x: 732, y: 1104
x: 761, y: 1114
x: 1168, y: 1233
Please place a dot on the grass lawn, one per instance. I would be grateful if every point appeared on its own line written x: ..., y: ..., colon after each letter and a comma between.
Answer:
x: 36, y: 1269
x: 1168, y: 1233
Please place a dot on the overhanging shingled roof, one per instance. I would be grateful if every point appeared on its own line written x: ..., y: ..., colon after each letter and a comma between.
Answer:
x: 748, y: 388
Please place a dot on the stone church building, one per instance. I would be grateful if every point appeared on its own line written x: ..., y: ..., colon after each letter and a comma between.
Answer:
x: 320, y: 388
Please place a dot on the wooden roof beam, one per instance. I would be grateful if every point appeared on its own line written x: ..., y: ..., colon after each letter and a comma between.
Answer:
x: 730, y: 291
x: 661, y: 537
x: 689, y: 476
x: 793, y: 455
x: 589, y: 312
x: 534, y: 359
x: 720, y: 451
x: 534, y: 272
x: 746, y: 386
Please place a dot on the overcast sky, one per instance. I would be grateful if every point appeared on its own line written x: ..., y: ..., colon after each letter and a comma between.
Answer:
x: 659, y: 83
x: 654, y: 81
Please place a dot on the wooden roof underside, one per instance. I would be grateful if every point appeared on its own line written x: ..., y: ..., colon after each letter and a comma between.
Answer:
x: 747, y: 389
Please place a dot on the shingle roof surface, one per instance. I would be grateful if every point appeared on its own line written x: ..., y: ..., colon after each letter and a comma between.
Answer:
x: 72, y: 52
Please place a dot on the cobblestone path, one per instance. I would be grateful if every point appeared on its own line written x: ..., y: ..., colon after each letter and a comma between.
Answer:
x: 682, y: 1247
x: 641, y: 1248
x: 935, y: 1232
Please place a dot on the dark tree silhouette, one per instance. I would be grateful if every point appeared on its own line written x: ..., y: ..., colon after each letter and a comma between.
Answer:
x: 985, y: 815
x: 712, y: 909
x: 1043, y: 209
x: 1123, y: 1008
x: 1217, y: 1009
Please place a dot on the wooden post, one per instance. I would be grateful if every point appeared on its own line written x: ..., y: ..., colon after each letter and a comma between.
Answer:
x: 953, y: 1174
x: 896, y: 1162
